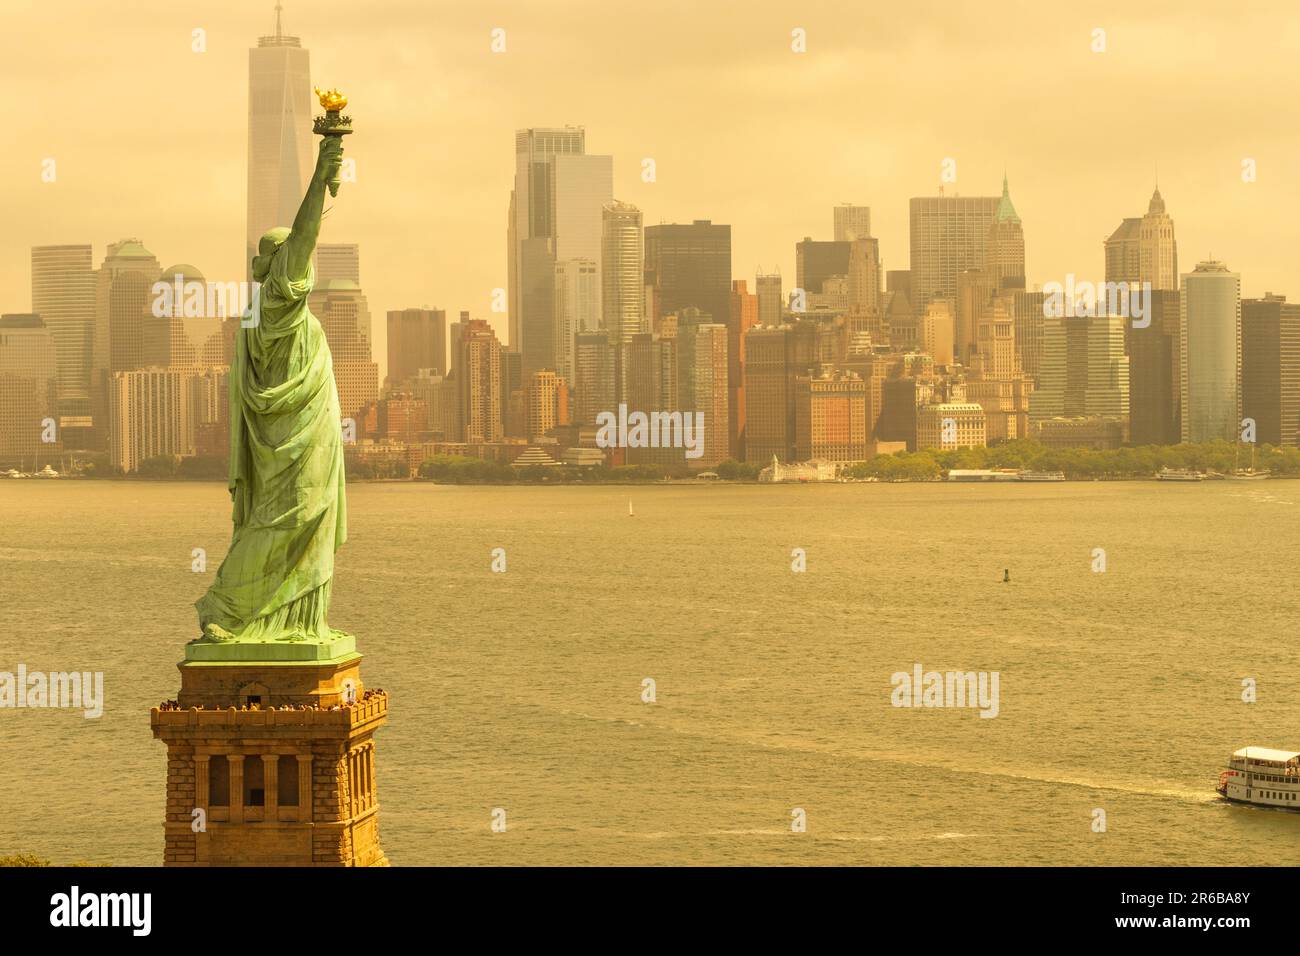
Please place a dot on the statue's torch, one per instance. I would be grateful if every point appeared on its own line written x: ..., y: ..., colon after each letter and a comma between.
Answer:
x: 332, y: 124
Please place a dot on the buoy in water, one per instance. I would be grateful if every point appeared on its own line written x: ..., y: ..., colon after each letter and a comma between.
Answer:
x: 1006, y: 575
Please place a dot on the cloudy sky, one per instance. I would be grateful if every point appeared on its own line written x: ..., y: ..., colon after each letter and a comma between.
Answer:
x: 150, y: 138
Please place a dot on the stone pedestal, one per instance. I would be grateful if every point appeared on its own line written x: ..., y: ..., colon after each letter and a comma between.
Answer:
x: 272, y: 763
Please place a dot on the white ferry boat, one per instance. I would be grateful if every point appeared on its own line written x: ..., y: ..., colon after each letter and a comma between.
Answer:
x: 1042, y: 476
x: 983, y: 474
x: 1263, y: 777
x: 1180, y: 474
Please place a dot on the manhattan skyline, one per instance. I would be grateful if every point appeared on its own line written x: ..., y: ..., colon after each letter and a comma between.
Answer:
x: 775, y: 140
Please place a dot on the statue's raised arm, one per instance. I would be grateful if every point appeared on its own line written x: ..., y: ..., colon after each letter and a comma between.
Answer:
x: 306, y: 225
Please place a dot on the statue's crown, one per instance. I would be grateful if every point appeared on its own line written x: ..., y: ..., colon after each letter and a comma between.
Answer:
x: 332, y: 100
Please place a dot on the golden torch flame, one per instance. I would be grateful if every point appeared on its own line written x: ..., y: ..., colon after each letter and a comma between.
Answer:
x: 332, y: 100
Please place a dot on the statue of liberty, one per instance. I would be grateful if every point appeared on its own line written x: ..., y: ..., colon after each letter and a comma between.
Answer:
x: 286, y: 450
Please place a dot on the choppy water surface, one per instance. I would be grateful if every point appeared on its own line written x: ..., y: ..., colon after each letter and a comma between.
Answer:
x: 522, y: 690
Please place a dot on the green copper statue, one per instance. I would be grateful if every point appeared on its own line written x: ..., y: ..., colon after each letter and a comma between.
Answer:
x: 286, y: 456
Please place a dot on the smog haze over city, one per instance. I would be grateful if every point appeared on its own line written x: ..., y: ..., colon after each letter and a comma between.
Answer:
x: 558, y: 433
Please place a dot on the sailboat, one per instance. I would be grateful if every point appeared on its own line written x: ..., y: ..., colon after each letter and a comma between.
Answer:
x: 1247, y: 474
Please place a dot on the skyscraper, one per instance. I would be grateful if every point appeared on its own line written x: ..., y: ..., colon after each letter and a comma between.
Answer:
x: 852, y: 222
x: 1123, y: 251
x: 692, y: 266
x: 595, y: 377
x: 830, y: 417
x: 937, y: 327
x: 1027, y: 312
x: 511, y: 386
x: 577, y: 307
x: 206, y: 428
x: 1144, y: 250
x: 650, y: 299
x: 344, y: 315
x: 767, y: 286
x: 536, y: 297
x: 975, y: 288
x: 1270, y: 368
x: 279, y: 133
x: 192, y: 334
x: 650, y: 386
x: 338, y: 260
x: 841, y: 277
x: 1004, y: 258
x: 864, y: 276
x: 147, y: 416
x: 29, y: 375
x: 622, y: 271
x: 949, y: 234
x: 403, y: 417
x: 456, y: 330
x: 123, y: 300
x: 997, y: 383
x: 768, y: 429
x: 63, y: 295
x: 899, y: 280
x: 478, y: 371
x: 894, y: 399
x: 1154, y: 381
x: 438, y: 392
x: 995, y: 355
x: 742, y: 317
x: 818, y: 260
x: 1083, y: 371
x: 547, y: 405
x: 1210, y: 344
x: 557, y: 208
x: 702, y: 381
x: 1157, y: 249
x: 903, y: 325
x: 417, y: 339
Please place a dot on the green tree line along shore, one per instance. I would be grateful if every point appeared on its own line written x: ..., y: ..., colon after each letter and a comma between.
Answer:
x: 451, y: 469
x: 925, y: 465
x: 1080, y: 463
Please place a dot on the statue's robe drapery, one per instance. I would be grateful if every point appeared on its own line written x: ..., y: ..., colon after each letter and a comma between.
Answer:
x: 286, y: 474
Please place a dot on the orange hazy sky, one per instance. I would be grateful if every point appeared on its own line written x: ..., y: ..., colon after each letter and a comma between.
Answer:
x: 150, y: 137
